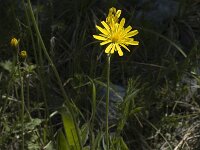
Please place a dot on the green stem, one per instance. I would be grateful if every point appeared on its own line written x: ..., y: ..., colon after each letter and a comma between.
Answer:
x: 93, y: 114
x: 28, y: 92
x: 107, y: 100
x: 67, y: 100
x: 22, y: 101
x: 22, y: 96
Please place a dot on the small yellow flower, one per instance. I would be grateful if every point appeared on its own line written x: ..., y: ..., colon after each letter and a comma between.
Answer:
x: 23, y: 54
x: 14, y: 42
x: 115, y: 34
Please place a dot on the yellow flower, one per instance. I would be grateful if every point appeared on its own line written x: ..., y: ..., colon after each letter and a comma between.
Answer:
x: 23, y: 54
x: 115, y: 34
x: 14, y: 42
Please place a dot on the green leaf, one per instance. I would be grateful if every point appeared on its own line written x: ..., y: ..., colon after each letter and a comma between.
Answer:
x: 30, y: 68
x: 50, y: 146
x: 70, y: 131
x: 84, y: 133
x: 123, y: 144
x: 136, y: 110
x: 86, y: 148
x: 62, y: 142
x: 7, y: 65
x: 32, y: 125
x: 33, y: 143
x: 97, y: 141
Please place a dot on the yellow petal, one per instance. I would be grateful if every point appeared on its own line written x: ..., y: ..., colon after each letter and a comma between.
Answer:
x: 99, y: 38
x: 119, y: 50
x: 105, y: 42
x: 103, y: 35
x: 107, y: 50
x: 132, y: 33
x: 122, y: 22
x: 128, y: 29
x: 105, y: 25
x: 112, y: 10
x: 102, y: 30
x: 132, y: 43
x: 118, y: 13
x: 113, y: 49
x: 124, y: 46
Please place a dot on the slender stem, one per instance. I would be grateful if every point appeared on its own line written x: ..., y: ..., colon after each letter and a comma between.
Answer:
x: 93, y: 114
x: 21, y: 96
x: 22, y: 101
x: 67, y: 100
x: 107, y: 100
x: 28, y: 92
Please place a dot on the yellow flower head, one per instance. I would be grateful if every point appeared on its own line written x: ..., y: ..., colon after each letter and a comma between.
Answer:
x: 14, y: 42
x: 23, y: 54
x: 115, y: 34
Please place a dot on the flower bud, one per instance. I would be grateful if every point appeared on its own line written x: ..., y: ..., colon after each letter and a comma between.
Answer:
x: 14, y: 42
x: 23, y: 54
